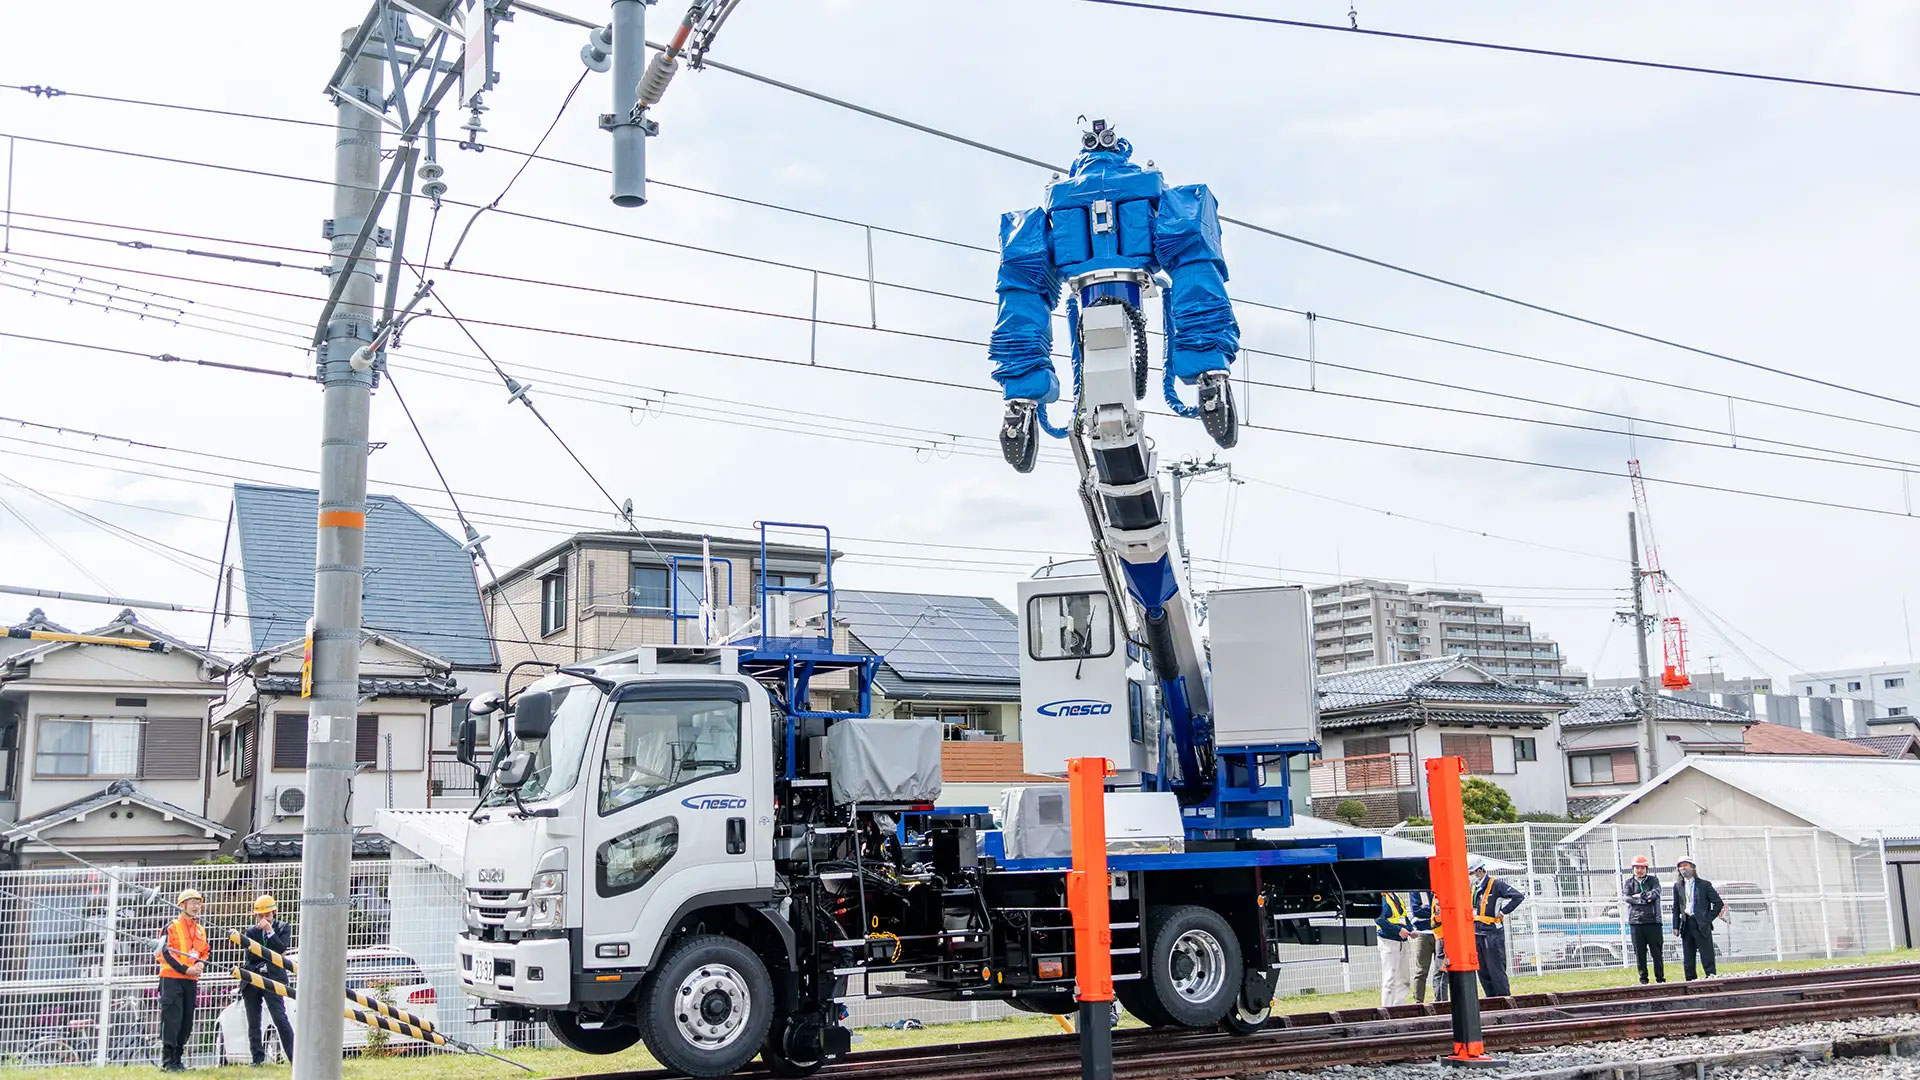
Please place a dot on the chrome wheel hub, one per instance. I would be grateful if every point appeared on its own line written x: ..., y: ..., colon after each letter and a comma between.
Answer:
x: 711, y: 1006
x: 1199, y: 966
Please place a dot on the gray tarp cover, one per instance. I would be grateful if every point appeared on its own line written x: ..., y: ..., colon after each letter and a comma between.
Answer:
x: 885, y: 760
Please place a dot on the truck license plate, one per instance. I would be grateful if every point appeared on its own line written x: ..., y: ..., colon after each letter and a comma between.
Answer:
x: 482, y: 968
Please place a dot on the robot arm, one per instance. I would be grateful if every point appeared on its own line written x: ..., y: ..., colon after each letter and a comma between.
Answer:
x: 1202, y: 334
x: 1186, y: 242
x: 1029, y: 285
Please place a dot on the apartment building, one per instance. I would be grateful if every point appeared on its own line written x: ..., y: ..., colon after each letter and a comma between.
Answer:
x: 1890, y: 690
x: 1366, y: 623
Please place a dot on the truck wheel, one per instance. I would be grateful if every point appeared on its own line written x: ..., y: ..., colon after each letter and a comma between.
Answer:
x: 567, y: 1028
x: 1254, y: 1005
x: 707, y: 1007
x: 1136, y: 997
x: 1193, y: 972
x: 781, y: 1062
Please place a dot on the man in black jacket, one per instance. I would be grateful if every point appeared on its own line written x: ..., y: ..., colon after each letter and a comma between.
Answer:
x: 274, y: 936
x: 1642, y: 894
x: 1696, y: 904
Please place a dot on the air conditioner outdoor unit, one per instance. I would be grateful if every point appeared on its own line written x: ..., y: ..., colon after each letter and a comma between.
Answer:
x: 289, y: 800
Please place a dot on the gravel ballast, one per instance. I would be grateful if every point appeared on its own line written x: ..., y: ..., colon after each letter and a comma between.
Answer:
x: 1529, y: 1061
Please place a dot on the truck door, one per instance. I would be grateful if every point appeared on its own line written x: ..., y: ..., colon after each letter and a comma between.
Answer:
x: 680, y: 786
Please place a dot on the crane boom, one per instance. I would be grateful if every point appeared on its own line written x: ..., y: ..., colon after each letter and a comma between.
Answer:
x: 1673, y: 634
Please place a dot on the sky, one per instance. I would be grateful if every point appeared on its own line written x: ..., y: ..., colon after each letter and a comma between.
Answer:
x: 1770, y: 223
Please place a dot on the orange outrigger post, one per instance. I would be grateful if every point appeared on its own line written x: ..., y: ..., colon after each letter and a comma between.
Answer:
x: 1447, y: 870
x: 1088, y: 901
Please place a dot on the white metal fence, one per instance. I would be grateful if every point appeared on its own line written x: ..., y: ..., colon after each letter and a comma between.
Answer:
x: 77, y: 971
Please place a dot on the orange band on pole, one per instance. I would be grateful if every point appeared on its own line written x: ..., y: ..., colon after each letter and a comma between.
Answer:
x: 342, y: 519
x: 1087, y: 882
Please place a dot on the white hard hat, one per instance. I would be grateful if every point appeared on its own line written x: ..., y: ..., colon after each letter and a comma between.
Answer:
x: 1476, y: 862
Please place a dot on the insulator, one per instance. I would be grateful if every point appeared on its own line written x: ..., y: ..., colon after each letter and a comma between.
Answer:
x: 432, y: 186
x: 653, y: 85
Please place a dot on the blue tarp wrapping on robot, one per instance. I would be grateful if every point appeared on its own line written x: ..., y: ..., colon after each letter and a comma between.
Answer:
x: 1148, y: 226
x: 1029, y: 287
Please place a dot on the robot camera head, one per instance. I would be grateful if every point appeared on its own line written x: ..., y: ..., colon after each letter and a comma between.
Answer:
x: 1101, y: 137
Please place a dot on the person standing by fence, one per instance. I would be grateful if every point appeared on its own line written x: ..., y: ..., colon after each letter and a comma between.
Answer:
x: 183, y: 950
x: 1493, y: 901
x: 1395, y: 923
x: 1429, y: 956
x: 1696, y: 904
x: 1642, y: 894
x: 274, y: 936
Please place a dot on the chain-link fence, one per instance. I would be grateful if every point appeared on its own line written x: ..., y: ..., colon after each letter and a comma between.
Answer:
x: 77, y: 968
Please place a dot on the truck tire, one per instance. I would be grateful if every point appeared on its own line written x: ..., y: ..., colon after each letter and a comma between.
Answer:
x: 567, y: 1028
x: 780, y: 1062
x: 1193, y: 970
x: 707, y: 1008
x: 1254, y: 1005
x: 1136, y: 997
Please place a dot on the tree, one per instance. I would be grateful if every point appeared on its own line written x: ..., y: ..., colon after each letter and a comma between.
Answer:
x: 1485, y: 802
x: 1351, y: 811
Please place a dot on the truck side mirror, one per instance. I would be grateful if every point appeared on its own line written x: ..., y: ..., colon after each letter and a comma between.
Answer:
x: 533, y: 715
x: 464, y: 741
x: 512, y: 772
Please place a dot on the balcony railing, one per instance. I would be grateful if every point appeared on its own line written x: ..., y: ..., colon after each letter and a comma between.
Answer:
x: 448, y: 779
x: 1360, y: 775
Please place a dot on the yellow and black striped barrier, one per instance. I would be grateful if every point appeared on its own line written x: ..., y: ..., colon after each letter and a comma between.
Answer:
x: 398, y: 1027
x: 261, y: 982
x: 263, y: 952
x: 375, y: 1005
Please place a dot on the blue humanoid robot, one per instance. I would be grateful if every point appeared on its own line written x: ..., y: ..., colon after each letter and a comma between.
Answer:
x: 1108, y: 231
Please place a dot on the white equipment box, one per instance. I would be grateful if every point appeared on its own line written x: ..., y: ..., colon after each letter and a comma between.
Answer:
x: 1263, y: 672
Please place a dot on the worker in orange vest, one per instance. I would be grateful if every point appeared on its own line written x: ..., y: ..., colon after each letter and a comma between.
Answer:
x: 183, y: 951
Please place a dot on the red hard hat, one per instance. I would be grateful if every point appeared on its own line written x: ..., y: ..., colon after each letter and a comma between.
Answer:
x: 1640, y: 860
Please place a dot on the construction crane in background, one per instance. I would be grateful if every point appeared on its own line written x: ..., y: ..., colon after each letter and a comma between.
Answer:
x: 1673, y: 635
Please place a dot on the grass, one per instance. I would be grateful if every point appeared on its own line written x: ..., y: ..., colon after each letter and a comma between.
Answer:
x: 548, y: 1063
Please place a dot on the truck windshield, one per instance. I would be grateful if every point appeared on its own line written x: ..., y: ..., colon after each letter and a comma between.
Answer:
x: 556, y: 758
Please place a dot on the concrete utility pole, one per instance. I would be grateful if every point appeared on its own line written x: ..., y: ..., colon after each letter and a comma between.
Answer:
x: 1647, y: 735
x: 629, y: 36
x: 340, y: 555
x: 1180, y: 472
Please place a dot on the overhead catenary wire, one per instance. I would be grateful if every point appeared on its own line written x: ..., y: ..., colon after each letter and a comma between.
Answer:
x: 1890, y: 464
x: 1253, y: 226
x: 1521, y: 50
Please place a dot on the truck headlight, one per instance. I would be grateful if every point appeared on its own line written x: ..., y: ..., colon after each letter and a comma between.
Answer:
x: 546, y: 901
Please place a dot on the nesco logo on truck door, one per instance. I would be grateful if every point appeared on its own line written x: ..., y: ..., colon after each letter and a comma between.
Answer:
x: 715, y: 802
x: 1075, y: 707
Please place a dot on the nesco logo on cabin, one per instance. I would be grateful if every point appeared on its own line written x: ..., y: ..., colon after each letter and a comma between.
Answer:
x: 1075, y: 707
x: 715, y: 802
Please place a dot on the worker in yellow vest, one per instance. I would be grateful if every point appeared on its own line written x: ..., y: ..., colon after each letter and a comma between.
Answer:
x: 1493, y: 901
x: 1397, y: 943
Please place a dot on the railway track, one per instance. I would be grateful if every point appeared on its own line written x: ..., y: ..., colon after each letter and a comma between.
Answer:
x: 1410, y: 1032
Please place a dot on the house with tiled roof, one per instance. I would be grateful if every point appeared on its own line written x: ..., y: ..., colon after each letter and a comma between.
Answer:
x: 1781, y: 739
x: 426, y: 649
x: 955, y: 659
x: 1602, y: 739
x: 1894, y: 746
x: 1379, y: 725
x: 105, y: 746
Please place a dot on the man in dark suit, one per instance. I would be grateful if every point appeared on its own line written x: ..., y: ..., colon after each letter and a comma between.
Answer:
x: 1696, y: 904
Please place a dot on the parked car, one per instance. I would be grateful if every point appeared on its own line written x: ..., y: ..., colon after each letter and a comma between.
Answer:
x: 366, y: 968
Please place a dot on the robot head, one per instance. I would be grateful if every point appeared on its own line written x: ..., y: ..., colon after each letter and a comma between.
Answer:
x: 1101, y: 137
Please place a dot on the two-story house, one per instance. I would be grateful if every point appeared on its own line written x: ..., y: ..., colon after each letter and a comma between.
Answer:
x: 598, y: 593
x: 105, y: 747
x: 1379, y: 725
x: 1601, y: 738
x: 425, y: 650
x: 955, y: 659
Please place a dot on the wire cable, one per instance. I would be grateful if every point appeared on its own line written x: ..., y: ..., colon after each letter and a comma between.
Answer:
x: 1524, y: 50
x: 515, y: 178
